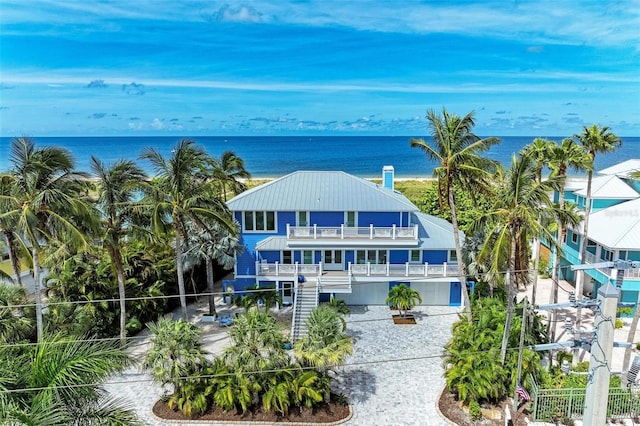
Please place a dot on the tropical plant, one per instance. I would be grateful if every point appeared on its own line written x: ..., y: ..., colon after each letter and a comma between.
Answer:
x: 230, y: 173
x: 339, y: 305
x: 45, y: 203
x: 326, y: 344
x: 595, y: 140
x: 59, y: 382
x: 567, y: 155
x: 117, y: 185
x: 176, y: 352
x: 403, y: 298
x: 522, y: 204
x: 180, y: 194
x: 257, y: 344
x: 8, y: 229
x: 457, y: 150
x: 15, y: 322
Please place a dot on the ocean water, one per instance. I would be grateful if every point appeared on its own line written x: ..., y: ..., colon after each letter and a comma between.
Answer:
x: 271, y: 156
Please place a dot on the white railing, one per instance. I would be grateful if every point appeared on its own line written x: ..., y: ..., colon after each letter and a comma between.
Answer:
x: 276, y: 268
x: 361, y: 269
x: 344, y: 232
x: 629, y: 273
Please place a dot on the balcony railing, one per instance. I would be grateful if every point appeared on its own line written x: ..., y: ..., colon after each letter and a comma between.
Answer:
x: 406, y: 233
x: 368, y: 269
x: 629, y: 273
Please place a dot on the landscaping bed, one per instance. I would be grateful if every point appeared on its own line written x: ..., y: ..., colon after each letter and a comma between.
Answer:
x: 451, y: 409
x: 331, y: 412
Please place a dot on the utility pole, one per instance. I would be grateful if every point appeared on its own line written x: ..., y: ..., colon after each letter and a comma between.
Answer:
x: 597, y: 396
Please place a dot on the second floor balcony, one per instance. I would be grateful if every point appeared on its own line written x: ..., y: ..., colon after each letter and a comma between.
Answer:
x: 352, y: 235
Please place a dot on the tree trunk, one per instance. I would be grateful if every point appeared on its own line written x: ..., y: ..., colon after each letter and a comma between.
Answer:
x: 37, y: 291
x: 580, y: 277
x: 13, y: 256
x: 210, y: 287
x: 456, y: 239
x: 510, y: 301
x: 555, y: 274
x: 180, y: 272
x: 116, y: 258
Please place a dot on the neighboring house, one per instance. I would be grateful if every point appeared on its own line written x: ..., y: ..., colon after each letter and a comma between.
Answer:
x: 317, y: 233
x: 614, y: 228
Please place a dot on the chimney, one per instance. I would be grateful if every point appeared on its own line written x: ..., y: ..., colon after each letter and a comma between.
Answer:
x: 387, y: 177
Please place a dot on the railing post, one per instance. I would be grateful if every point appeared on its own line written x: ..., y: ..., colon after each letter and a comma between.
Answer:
x: 258, y: 271
x: 342, y: 231
x: 393, y: 231
x: 289, y: 231
x: 426, y: 269
x: 349, y: 269
x: 444, y: 269
x: 315, y: 230
x: 277, y: 268
x: 368, y: 269
x: 406, y: 269
x: 415, y: 231
x: 371, y: 231
x: 296, y: 271
x: 319, y: 268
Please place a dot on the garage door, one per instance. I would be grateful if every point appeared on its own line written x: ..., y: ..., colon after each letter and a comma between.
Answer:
x: 366, y: 294
x: 435, y: 294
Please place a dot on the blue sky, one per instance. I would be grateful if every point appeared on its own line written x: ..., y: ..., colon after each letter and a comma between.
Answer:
x: 153, y: 67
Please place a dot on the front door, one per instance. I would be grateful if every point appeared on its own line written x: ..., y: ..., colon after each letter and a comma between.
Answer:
x: 287, y: 293
x: 332, y: 260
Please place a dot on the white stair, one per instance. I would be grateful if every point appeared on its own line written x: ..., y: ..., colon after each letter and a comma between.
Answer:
x: 306, y: 300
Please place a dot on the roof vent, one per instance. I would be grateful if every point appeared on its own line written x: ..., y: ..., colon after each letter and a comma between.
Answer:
x: 387, y: 177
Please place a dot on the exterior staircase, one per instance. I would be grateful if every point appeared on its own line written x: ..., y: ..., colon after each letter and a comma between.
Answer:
x: 305, y: 300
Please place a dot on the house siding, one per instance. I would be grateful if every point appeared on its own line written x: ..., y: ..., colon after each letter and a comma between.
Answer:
x: 326, y: 218
x: 380, y: 219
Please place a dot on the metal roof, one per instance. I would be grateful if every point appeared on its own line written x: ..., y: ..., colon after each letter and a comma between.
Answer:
x: 434, y: 232
x: 609, y: 187
x: 617, y: 227
x: 321, y: 191
x: 623, y: 169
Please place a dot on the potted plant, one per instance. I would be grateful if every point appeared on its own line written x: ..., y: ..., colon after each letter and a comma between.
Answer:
x: 403, y: 298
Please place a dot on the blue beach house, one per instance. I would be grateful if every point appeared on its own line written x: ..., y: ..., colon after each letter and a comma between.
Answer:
x: 314, y: 234
x: 614, y: 228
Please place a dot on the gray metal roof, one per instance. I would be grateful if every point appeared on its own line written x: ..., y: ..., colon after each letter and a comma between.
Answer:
x: 321, y: 191
x: 617, y: 227
x: 434, y: 232
x: 623, y: 169
x: 607, y: 187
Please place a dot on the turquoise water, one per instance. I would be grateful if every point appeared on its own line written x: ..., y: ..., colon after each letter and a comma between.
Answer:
x: 268, y: 156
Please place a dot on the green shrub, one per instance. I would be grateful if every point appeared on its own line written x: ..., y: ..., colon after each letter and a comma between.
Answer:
x: 474, y: 410
x: 638, y: 346
x: 619, y: 323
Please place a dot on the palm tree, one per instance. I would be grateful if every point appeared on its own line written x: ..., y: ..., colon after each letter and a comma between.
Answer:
x: 521, y: 205
x: 326, y: 343
x: 403, y: 298
x: 44, y: 203
x: 567, y: 155
x: 61, y: 381
x: 211, y: 244
x: 540, y: 152
x: 457, y: 150
x: 594, y: 139
x: 15, y: 324
x: 7, y: 229
x: 229, y: 171
x: 116, y: 186
x: 181, y: 193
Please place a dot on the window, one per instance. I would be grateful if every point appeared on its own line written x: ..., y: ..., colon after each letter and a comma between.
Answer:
x: 307, y: 257
x: 574, y: 237
x: 287, y: 257
x: 373, y: 256
x: 453, y: 256
x: 607, y: 255
x: 259, y: 221
x: 591, y: 243
x: 351, y: 219
x: 303, y: 218
x: 414, y: 256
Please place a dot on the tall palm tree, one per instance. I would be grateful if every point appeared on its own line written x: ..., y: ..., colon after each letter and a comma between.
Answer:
x: 540, y: 152
x: 45, y: 204
x: 116, y: 186
x: 458, y: 152
x: 567, y: 155
x: 229, y: 171
x: 7, y: 229
x: 181, y: 193
x: 596, y: 140
x: 521, y: 205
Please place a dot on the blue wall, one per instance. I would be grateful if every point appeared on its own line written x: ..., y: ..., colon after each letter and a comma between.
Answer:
x: 326, y: 218
x: 378, y: 218
x: 398, y: 256
x: 283, y: 218
x: 435, y: 256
